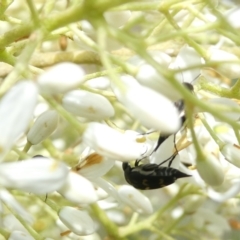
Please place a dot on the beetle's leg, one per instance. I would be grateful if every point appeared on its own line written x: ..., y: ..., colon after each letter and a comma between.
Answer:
x: 161, y: 139
x: 137, y: 162
x: 171, y: 158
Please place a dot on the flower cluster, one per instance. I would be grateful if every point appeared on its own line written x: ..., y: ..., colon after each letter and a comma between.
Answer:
x: 129, y: 122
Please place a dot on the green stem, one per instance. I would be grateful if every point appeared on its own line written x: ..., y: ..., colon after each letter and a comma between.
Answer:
x: 4, y: 4
x: 4, y: 233
x: 137, y: 6
x: 34, y: 13
x: 47, y: 144
x: 235, y: 90
x: 6, y: 57
x: 213, y: 88
x: 25, y: 150
x: 31, y: 231
x: 212, y: 133
x: 191, y: 42
x: 174, y: 224
x: 189, y: 112
x: 237, y: 134
x: 110, y: 227
x: 22, y: 63
x: 161, y: 233
x: 195, y: 13
x: 147, y: 223
x: 102, y: 37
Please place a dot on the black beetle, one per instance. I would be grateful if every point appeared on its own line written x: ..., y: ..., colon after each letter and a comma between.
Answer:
x: 150, y: 175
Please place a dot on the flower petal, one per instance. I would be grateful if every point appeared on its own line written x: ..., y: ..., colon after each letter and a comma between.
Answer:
x: 18, y: 235
x: 16, y: 110
x: 210, y: 170
x: 79, y: 222
x: 78, y: 189
x: 94, y: 166
x: 61, y: 78
x: 43, y: 127
x: 231, y: 152
x: 152, y: 109
x: 135, y: 199
x: 186, y: 58
x: 89, y: 105
x: 231, y: 70
x: 111, y: 143
x: 39, y: 175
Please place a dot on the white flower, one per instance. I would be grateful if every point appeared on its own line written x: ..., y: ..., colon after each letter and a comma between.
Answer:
x: 16, y: 110
x: 79, y: 222
x: 210, y: 169
x: 232, y: 17
x: 61, y: 78
x: 102, y: 83
x: 226, y: 102
x: 11, y: 223
x: 152, y: 109
x: 231, y: 70
x: 186, y: 58
x: 117, y: 18
x: 12, y: 203
x: 18, y: 235
x: 43, y: 127
x: 94, y: 166
x: 78, y: 189
x: 207, y: 219
x: 135, y: 199
x: 89, y: 105
x: 107, y: 187
x: 38, y: 175
x: 192, y: 203
x: 148, y: 76
x: 225, y: 133
x: 231, y: 152
x: 111, y: 143
x: 87, y: 27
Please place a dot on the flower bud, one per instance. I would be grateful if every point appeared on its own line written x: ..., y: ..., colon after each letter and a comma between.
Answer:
x: 38, y: 175
x: 61, y: 78
x: 135, y: 199
x: 16, y: 109
x: 89, y: 105
x: 43, y: 127
x: 78, y: 189
x: 79, y: 222
x: 210, y: 170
